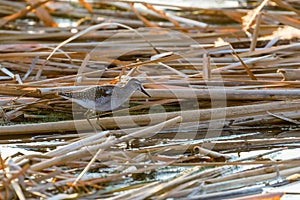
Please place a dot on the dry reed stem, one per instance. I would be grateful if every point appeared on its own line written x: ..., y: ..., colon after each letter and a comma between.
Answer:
x: 173, y: 80
x: 125, y: 121
x: 88, y: 150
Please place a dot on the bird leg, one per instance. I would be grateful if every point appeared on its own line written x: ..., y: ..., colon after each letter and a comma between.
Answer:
x: 98, y: 114
x: 88, y: 115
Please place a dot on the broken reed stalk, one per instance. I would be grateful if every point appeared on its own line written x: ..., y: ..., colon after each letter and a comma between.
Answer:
x: 265, y: 119
x: 262, y: 67
x: 97, y: 138
x: 251, y: 176
x: 238, y: 183
x: 256, y: 32
x: 163, y: 186
x: 256, y: 172
x: 224, y: 94
x: 210, y: 153
x: 290, y: 74
x: 223, y: 145
x: 147, y: 132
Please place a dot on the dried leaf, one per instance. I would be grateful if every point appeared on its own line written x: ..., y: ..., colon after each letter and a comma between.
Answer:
x: 293, y: 177
x: 235, y: 15
x: 286, y: 5
x: 143, y: 19
x: 284, y: 33
x: 284, y: 20
x: 163, y: 15
x: 43, y: 14
x: 21, y: 13
x: 86, y: 5
x: 249, y: 19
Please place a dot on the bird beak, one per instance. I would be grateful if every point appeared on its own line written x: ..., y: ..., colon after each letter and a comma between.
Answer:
x: 144, y: 91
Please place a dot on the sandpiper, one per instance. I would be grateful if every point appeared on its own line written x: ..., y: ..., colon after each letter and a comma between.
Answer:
x: 104, y: 98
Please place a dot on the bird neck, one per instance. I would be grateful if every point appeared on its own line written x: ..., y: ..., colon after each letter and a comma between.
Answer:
x: 129, y: 87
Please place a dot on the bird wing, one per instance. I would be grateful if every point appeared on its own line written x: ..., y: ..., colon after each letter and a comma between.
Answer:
x: 103, y: 91
x: 102, y: 98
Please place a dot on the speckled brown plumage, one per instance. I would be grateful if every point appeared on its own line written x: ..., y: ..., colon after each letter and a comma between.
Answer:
x: 104, y: 98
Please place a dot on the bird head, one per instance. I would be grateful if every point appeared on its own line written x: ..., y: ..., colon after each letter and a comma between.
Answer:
x: 138, y: 85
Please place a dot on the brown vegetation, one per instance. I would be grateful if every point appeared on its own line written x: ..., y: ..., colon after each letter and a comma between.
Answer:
x: 223, y: 81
